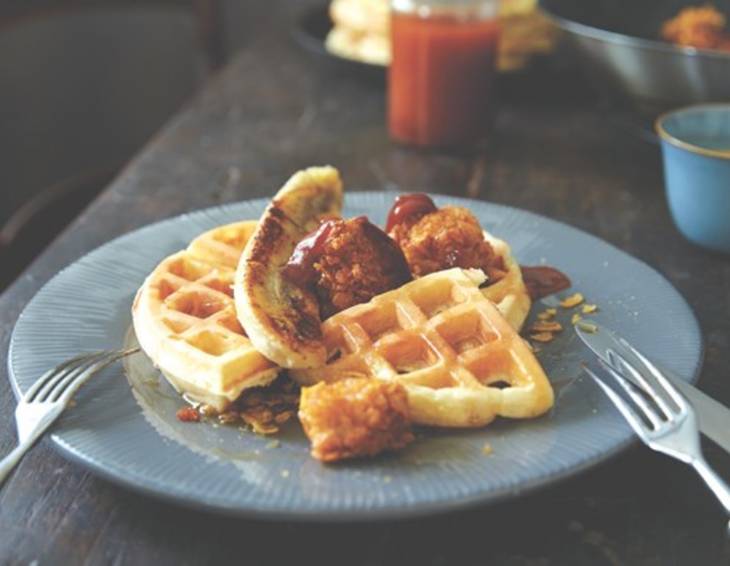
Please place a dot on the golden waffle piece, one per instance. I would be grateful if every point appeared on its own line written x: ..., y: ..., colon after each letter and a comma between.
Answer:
x: 460, y: 361
x: 185, y: 320
x: 526, y: 32
x: 510, y: 293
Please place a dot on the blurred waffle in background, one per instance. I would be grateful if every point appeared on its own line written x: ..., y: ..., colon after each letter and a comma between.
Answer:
x: 526, y: 32
x: 361, y: 32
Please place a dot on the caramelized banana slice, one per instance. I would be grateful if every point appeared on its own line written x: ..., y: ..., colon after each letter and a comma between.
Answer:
x: 281, y: 319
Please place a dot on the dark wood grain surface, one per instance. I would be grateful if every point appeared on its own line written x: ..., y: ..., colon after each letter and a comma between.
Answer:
x: 273, y: 110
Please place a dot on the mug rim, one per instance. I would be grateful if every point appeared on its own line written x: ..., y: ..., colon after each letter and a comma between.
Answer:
x: 688, y: 146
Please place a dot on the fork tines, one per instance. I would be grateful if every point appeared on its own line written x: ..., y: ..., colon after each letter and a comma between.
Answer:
x: 662, y: 393
x: 56, y: 383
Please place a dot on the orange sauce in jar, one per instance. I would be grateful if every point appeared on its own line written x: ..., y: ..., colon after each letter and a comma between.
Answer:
x: 441, y: 77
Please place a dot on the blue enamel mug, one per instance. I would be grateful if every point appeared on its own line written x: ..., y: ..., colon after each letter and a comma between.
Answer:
x: 696, y: 152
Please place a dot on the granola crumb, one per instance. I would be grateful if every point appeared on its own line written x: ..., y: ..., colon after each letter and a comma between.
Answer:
x: 264, y: 409
x: 284, y: 474
x: 589, y: 309
x: 229, y: 417
x: 588, y: 327
x: 281, y: 418
x: 575, y: 319
x: 487, y: 449
x: 547, y: 314
x: 260, y: 427
x: 542, y: 337
x: 273, y: 444
x: 546, y: 326
x: 207, y: 410
x: 572, y: 301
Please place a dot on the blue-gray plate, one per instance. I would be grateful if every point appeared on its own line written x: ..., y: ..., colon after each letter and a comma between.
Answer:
x: 123, y: 425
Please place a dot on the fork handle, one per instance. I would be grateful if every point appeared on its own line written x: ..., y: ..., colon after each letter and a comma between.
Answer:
x: 10, y: 461
x: 715, y: 482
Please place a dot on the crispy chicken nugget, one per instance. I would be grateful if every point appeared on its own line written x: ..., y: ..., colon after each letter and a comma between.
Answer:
x: 355, y: 417
x: 449, y: 237
x: 358, y: 261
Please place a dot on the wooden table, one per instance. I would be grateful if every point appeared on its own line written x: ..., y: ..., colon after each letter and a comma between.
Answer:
x: 274, y: 110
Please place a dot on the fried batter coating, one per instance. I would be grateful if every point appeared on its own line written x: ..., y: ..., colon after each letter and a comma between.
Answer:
x: 449, y: 237
x: 355, y: 417
x: 702, y: 27
x: 357, y: 262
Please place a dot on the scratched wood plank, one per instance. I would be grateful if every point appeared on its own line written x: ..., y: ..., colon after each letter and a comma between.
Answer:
x: 272, y: 111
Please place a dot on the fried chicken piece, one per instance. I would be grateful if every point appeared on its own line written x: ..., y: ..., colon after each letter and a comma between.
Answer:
x: 355, y: 417
x: 702, y: 27
x: 357, y: 262
x: 448, y: 237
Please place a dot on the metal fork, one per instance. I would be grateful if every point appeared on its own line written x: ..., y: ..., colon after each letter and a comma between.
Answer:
x: 668, y: 425
x: 46, y: 399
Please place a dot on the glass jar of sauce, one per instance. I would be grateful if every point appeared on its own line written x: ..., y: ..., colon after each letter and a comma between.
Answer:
x: 443, y: 69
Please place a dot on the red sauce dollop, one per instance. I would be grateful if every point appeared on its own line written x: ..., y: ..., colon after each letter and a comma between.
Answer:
x: 390, y: 255
x: 300, y: 267
x: 409, y: 207
x: 542, y: 280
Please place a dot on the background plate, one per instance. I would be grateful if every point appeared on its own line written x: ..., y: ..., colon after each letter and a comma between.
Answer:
x: 309, y: 28
x: 135, y: 439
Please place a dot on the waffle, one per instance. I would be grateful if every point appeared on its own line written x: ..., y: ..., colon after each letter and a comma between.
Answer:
x: 460, y: 361
x: 362, y: 16
x: 509, y: 293
x: 360, y: 31
x: 185, y: 320
x: 372, y: 48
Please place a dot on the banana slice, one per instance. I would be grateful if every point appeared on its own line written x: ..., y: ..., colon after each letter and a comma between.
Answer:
x: 281, y: 319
